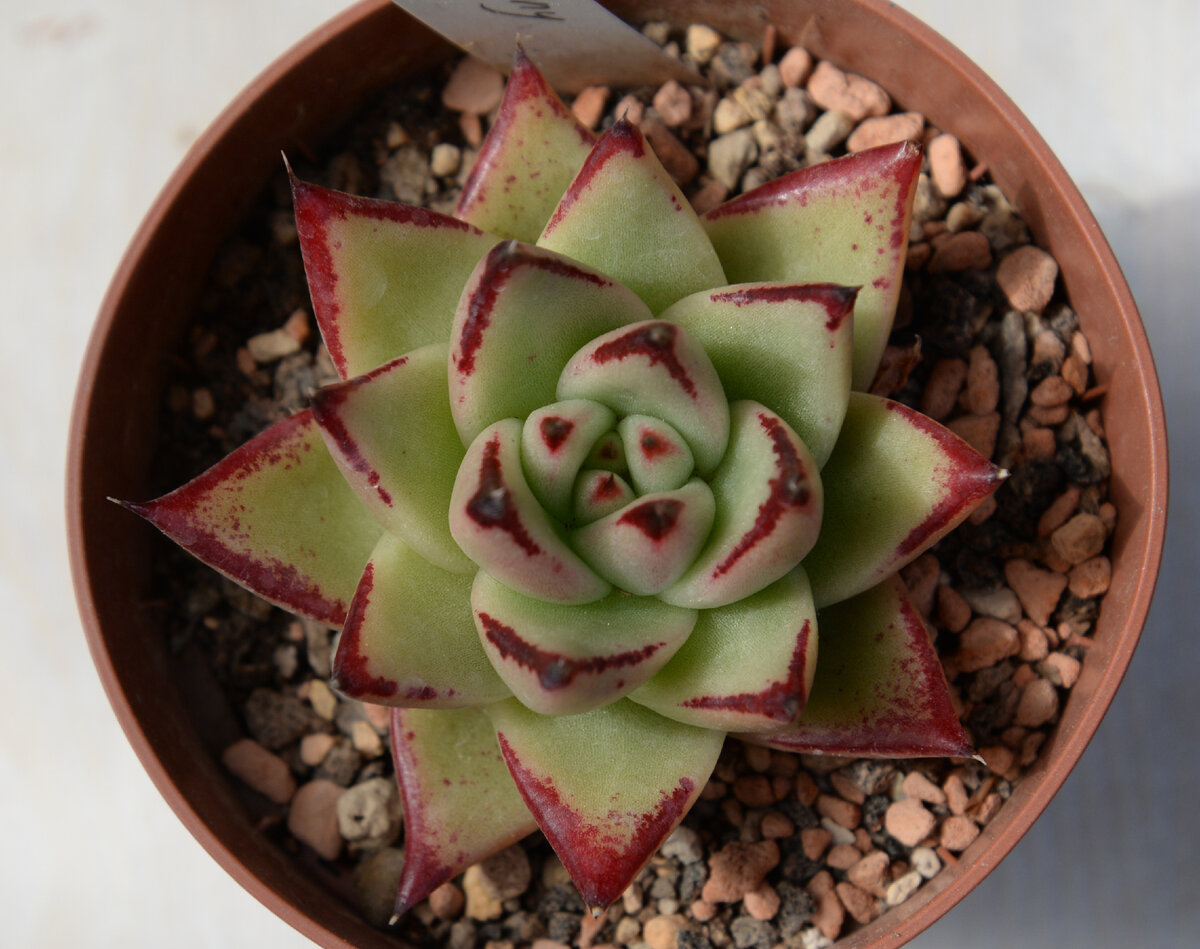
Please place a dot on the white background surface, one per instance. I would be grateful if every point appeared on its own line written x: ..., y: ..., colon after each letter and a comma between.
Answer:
x: 99, y: 102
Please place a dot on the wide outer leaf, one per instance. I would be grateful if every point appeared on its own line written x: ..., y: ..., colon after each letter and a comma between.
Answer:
x: 391, y: 433
x: 562, y: 660
x: 624, y: 216
x: 844, y: 221
x: 606, y: 787
x: 409, y: 638
x: 788, y: 346
x: 385, y: 277
x: 523, y: 314
x: 899, y: 482
x: 532, y: 151
x: 747, y: 666
x: 879, y: 689
x: 277, y: 516
x: 460, y: 805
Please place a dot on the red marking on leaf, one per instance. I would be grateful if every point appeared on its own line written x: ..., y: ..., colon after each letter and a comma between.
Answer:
x: 553, y: 669
x: 179, y: 515
x: 899, y: 162
x: 600, y: 860
x: 606, y: 489
x: 969, y: 479
x: 781, y: 701
x: 555, y: 430
x: 654, y: 446
x: 837, y: 300
x: 326, y: 406
x: 622, y: 138
x: 655, y: 341
x: 501, y: 263
x: 492, y: 505
x: 351, y: 667
x: 788, y: 489
x: 655, y: 519
x: 316, y: 209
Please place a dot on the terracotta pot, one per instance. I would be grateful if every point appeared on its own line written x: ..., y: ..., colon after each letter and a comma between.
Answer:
x: 294, y: 102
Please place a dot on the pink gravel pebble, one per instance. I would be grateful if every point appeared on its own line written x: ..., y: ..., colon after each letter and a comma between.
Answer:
x: 1037, y: 589
x: 473, y: 87
x: 312, y: 818
x: 856, y: 96
x: 908, y: 821
x: 885, y: 129
x: 1027, y: 278
x: 258, y: 768
x: 737, y: 868
x: 947, y: 169
x: 795, y: 67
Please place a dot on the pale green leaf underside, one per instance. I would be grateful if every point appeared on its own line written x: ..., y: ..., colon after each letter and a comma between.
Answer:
x: 533, y: 150
x: 242, y: 518
x: 786, y: 346
x: 844, y: 221
x: 450, y: 773
x: 624, y: 216
x: 903, y: 481
x: 561, y: 660
x: 523, y: 314
x: 746, y: 666
x: 410, y: 637
x: 879, y: 688
x: 607, y: 786
x: 392, y: 435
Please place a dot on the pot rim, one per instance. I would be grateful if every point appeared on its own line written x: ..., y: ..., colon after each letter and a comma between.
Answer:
x: 1060, y: 754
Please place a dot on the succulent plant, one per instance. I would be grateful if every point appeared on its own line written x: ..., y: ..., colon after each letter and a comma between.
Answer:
x: 598, y: 472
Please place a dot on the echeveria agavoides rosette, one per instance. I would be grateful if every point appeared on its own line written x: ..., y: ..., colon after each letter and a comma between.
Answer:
x: 601, y: 485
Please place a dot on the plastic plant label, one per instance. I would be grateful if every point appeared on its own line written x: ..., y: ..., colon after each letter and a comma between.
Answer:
x: 576, y: 43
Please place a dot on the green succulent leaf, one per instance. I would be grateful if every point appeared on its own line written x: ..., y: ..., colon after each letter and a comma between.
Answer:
x: 391, y: 433
x: 903, y: 482
x: 747, y: 666
x: 769, y: 501
x: 608, y: 454
x: 647, y: 545
x: 844, y: 221
x: 599, y: 493
x: 384, y: 277
x: 533, y: 150
x: 655, y: 368
x: 523, y: 314
x: 606, y: 787
x: 555, y: 440
x: 499, y: 524
x: 879, y: 688
x: 659, y: 458
x: 242, y: 517
x: 563, y: 660
x: 788, y: 346
x: 624, y: 216
x: 450, y: 772
x: 409, y: 638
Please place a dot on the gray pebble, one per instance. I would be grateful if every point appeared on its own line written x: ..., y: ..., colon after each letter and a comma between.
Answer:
x: 369, y: 813
x: 829, y: 130
x: 730, y: 155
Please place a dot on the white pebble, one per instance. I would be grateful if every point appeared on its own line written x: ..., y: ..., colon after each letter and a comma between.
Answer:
x: 904, y: 887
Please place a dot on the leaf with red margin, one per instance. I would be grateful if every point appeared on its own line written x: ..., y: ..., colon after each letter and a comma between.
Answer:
x: 240, y: 518
x: 562, y: 660
x: 747, y: 666
x: 646, y: 546
x: 654, y: 368
x: 897, y: 483
x: 409, y: 638
x: 606, y: 787
x: 788, y: 346
x: 624, y: 216
x: 501, y: 526
x: 879, y: 689
x: 460, y: 805
x: 391, y: 433
x: 769, y: 501
x: 844, y: 221
x: 532, y: 151
x: 523, y: 314
x: 385, y: 277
